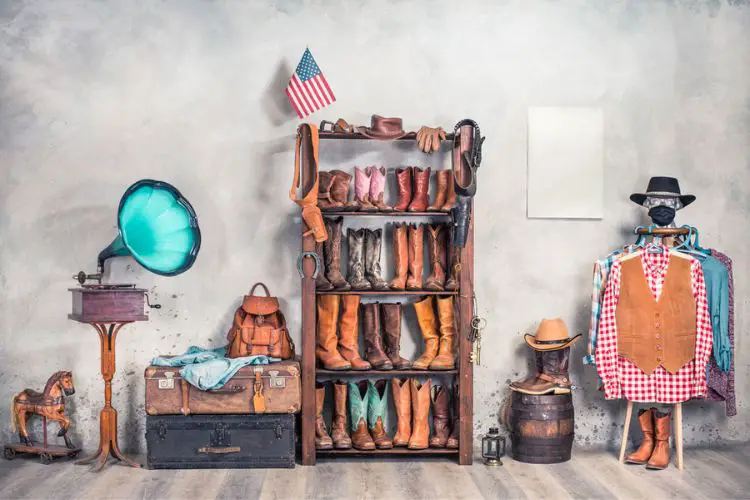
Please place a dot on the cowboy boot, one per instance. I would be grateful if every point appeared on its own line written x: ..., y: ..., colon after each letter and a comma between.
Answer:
x: 530, y: 382
x: 440, y: 416
x: 325, y: 199
x: 362, y: 183
x: 662, y: 429
x: 322, y: 440
x: 373, y: 342
x: 349, y: 332
x: 416, y: 256
x: 321, y: 283
x: 442, y: 188
x: 325, y: 350
x: 356, y: 272
x: 450, y: 195
x: 452, y: 443
x: 402, y: 401
x: 551, y: 378
x: 333, y: 254
x: 391, y: 316
x: 403, y: 178
x: 377, y: 188
x: 421, y: 196
x: 373, y: 244
x: 436, y: 248
x: 420, y: 411
x: 453, y: 277
x: 446, y: 358
x: 377, y: 406
x: 339, y: 433
x: 340, y: 190
x: 400, y: 256
x: 361, y: 438
x: 644, y: 451
x: 429, y: 326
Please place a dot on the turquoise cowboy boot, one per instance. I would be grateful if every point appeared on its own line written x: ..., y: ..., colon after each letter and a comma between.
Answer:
x: 358, y: 397
x: 377, y: 411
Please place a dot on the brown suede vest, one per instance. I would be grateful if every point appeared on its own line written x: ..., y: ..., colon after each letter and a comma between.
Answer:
x: 651, y: 333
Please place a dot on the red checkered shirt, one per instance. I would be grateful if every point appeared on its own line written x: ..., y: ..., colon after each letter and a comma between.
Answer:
x: 622, y: 379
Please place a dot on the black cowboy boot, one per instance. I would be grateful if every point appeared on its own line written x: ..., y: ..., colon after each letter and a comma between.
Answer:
x: 373, y: 243
x: 356, y: 268
x: 334, y: 227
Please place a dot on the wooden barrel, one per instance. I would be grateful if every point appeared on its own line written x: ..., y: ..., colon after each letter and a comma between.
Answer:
x: 541, y: 428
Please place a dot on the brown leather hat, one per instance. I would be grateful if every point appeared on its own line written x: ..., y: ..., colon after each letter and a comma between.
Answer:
x: 383, y: 128
x: 551, y: 335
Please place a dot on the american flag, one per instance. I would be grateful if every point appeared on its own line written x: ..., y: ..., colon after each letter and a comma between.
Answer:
x: 308, y: 90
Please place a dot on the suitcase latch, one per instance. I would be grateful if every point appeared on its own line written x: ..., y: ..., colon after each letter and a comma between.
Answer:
x: 220, y: 436
x: 278, y: 430
x: 168, y: 382
x: 276, y: 382
x: 162, y: 431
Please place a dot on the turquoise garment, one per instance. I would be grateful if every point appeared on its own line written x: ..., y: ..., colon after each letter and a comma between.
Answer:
x: 717, y: 292
x: 209, y: 369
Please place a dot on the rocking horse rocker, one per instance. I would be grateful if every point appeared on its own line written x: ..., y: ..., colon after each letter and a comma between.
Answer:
x: 50, y: 404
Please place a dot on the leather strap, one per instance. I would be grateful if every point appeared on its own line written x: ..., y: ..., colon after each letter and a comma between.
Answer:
x: 554, y: 380
x: 468, y: 160
x: 252, y: 290
x: 311, y: 197
x: 259, y: 401
x: 185, y: 410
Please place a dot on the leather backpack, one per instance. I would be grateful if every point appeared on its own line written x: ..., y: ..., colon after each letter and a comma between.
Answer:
x: 259, y: 328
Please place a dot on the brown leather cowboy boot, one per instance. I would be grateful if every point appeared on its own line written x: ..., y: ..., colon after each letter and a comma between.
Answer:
x: 452, y: 443
x: 361, y: 438
x: 402, y: 401
x: 325, y: 199
x: 377, y: 406
x: 400, y: 256
x: 321, y: 283
x: 373, y: 342
x: 440, y: 416
x: 349, y: 333
x: 436, y: 248
x: 662, y: 429
x: 356, y: 268
x: 644, y: 451
x: 429, y: 326
x: 450, y: 196
x: 403, y: 178
x: 446, y: 358
x: 325, y: 349
x: 421, y: 196
x: 322, y: 440
x: 377, y: 188
x: 362, y: 182
x: 391, y: 316
x: 416, y: 257
x: 441, y: 176
x: 453, y: 277
x: 552, y: 377
x: 339, y: 432
x: 333, y: 254
x: 373, y: 244
x: 420, y: 410
x: 340, y: 190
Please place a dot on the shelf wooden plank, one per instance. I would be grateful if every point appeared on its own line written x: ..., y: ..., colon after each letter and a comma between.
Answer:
x: 385, y: 373
x: 391, y: 451
x: 411, y: 136
x: 332, y: 213
x: 387, y: 292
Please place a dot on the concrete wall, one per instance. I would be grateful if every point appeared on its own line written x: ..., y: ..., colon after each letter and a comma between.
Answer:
x: 95, y: 95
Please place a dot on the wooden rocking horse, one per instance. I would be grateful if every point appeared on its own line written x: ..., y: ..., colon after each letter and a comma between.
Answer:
x: 50, y: 404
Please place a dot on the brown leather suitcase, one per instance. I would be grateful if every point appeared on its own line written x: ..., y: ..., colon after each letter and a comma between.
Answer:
x: 272, y: 388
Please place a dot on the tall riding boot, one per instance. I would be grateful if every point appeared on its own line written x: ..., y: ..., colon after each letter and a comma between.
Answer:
x: 325, y: 350
x: 403, y: 178
x: 391, y: 316
x: 373, y: 244
x: 452, y: 443
x: 644, y: 451
x: 377, y: 188
x: 436, y: 248
x: 333, y: 254
x: 446, y: 358
x: 429, y: 326
x: 420, y: 410
x: 322, y: 440
x: 361, y: 438
x: 321, y: 283
x: 356, y: 271
x: 340, y: 190
x: 416, y: 257
x: 377, y: 411
x: 349, y: 332
x: 421, y: 196
x: 373, y: 342
x: 402, y: 401
x: 339, y: 429
x: 450, y: 197
x: 325, y: 198
x: 662, y: 429
x: 453, y: 269
x: 441, y: 176
x: 400, y: 256
x: 362, y: 190
x: 440, y: 416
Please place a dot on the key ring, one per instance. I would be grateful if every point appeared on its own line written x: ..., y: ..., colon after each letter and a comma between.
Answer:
x: 478, y: 323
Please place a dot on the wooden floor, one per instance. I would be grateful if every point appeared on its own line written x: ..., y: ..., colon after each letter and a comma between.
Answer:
x: 723, y: 473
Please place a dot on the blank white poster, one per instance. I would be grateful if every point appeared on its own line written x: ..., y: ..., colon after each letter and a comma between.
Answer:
x: 565, y: 162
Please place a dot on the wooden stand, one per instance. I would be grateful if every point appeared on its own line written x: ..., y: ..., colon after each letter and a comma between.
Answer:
x: 677, y: 432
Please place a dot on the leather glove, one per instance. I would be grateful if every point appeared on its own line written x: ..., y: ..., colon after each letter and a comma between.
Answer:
x: 428, y: 138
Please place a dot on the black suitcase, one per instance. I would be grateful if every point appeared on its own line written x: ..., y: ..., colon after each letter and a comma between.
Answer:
x: 220, y: 441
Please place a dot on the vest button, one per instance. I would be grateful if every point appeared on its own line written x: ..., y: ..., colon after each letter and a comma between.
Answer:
x: 658, y: 335
x: 659, y: 360
x: 658, y: 348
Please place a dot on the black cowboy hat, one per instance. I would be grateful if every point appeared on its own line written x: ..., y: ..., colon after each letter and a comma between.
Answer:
x: 663, y: 187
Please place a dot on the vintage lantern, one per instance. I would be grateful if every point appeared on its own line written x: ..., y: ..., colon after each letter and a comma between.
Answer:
x: 492, y: 451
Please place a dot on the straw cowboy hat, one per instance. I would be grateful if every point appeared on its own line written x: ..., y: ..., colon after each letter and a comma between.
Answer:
x: 551, y: 335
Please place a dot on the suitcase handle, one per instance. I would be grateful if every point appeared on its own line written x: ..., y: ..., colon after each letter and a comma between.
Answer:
x: 221, y: 451
x: 232, y: 389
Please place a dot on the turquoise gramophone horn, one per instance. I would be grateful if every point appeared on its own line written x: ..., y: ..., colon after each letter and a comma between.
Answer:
x: 158, y: 227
